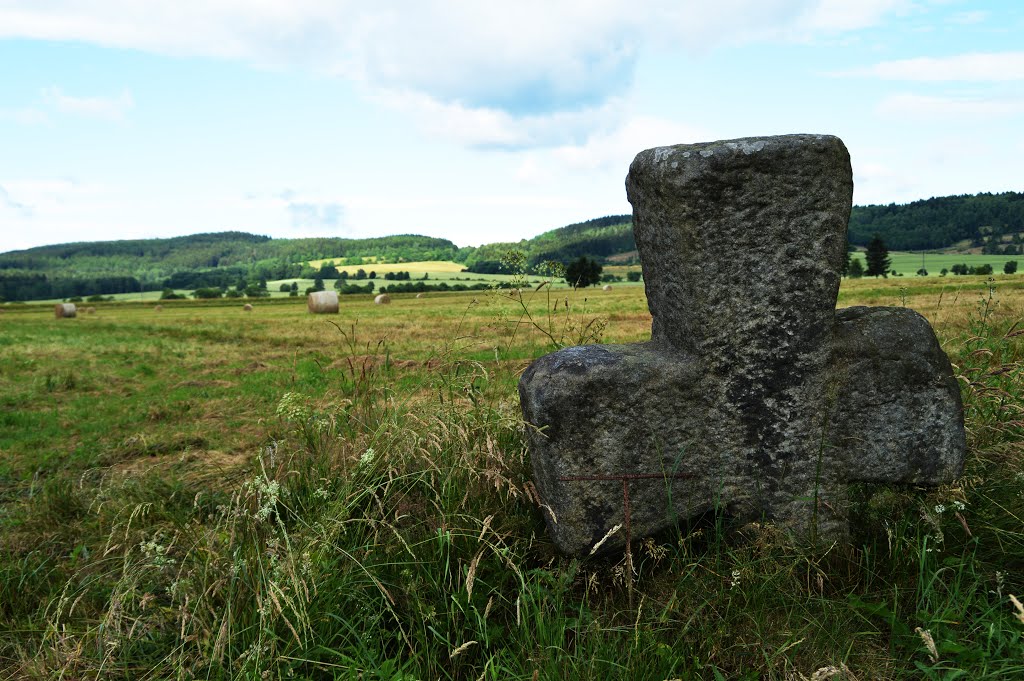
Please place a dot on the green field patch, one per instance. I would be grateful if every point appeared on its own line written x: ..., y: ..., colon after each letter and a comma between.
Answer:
x: 416, y: 267
x: 908, y: 264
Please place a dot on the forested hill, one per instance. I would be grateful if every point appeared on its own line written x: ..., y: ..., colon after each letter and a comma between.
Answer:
x: 597, y: 238
x: 992, y: 222
x: 942, y: 222
x: 220, y: 259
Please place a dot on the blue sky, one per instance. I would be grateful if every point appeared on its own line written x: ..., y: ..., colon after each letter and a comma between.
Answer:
x: 467, y: 120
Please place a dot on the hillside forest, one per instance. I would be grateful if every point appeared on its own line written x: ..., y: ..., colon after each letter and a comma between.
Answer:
x: 985, y: 223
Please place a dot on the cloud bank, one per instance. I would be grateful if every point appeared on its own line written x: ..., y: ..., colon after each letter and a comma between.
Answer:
x: 516, y: 75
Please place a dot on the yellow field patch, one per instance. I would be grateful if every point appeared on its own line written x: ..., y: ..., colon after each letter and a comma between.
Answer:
x: 415, y: 267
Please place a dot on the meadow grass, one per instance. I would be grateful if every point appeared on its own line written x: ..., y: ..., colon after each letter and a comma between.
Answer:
x: 908, y: 263
x: 206, y: 493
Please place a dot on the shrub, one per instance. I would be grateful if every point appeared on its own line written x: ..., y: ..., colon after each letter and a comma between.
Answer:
x: 169, y: 294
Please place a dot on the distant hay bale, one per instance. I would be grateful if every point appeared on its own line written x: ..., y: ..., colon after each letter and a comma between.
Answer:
x: 158, y: 308
x: 62, y: 310
x: 322, y: 302
x: 606, y: 287
x: 382, y: 299
x: 247, y: 308
x: 419, y: 295
x: 90, y: 310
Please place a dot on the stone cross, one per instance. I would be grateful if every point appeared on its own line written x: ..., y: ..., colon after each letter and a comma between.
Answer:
x: 754, y: 393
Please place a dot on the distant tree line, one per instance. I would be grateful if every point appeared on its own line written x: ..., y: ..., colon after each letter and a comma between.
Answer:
x: 20, y: 286
x: 993, y: 219
x: 993, y: 223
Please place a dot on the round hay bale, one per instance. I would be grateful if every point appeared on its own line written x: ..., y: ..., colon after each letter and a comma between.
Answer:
x: 62, y: 310
x: 382, y: 299
x: 419, y: 295
x: 158, y: 308
x: 247, y: 308
x: 90, y: 310
x: 322, y: 302
x: 606, y: 287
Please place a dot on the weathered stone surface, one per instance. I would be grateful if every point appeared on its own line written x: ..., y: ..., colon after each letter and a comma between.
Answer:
x: 754, y: 393
x: 898, y: 416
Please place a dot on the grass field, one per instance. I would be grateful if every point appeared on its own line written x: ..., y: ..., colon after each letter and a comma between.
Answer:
x: 207, y: 493
x: 908, y: 264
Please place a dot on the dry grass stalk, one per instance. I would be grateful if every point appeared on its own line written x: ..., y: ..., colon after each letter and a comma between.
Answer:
x: 62, y: 310
x: 605, y: 538
x: 1019, y: 607
x: 322, y: 302
x: 461, y: 649
x: 929, y: 643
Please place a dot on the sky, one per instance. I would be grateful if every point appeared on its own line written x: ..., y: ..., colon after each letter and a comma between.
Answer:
x: 472, y: 121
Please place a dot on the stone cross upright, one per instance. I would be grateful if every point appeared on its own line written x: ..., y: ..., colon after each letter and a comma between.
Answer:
x: 754, y: 393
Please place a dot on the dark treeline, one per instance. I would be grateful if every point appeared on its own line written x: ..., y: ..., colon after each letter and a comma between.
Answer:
x: 29, y: 286
x: 943, y: 222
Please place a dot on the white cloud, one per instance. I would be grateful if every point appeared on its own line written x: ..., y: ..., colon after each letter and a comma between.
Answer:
x: 107, y: 108
x: 316, y: 216
x: 605, y: 152
x: 17, y: 208
x: 874, y: 179
x: 616, y: 149
x: 486, y: 127
x: 24, y: 116
x: 936, y: 107
x: 975, y: 67
x: 970, y: 17
x: 493, y: 74
x: 848, y: 15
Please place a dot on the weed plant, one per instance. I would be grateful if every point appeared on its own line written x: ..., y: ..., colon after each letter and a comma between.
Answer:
x: 385, y: 526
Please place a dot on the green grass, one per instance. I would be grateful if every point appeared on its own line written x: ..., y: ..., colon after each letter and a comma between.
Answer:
x: 909, y: 263
x: 208, y: 493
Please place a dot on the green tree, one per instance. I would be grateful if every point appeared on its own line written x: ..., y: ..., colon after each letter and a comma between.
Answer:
x: 583, y: 272
x: 1010, y: 267
x: 878, y: 258
x: 856, y: 269
x: 633, y: 276
x: 318, y: 284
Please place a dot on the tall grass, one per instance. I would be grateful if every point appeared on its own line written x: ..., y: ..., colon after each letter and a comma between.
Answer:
x: 390, y: 531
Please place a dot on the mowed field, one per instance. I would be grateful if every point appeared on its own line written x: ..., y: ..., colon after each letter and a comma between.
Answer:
x: 417, y: 267
x: 908, y: 264
x: 202, y: 492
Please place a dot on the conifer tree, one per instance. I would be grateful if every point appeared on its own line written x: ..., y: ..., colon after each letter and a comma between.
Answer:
x: 877, y: 256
